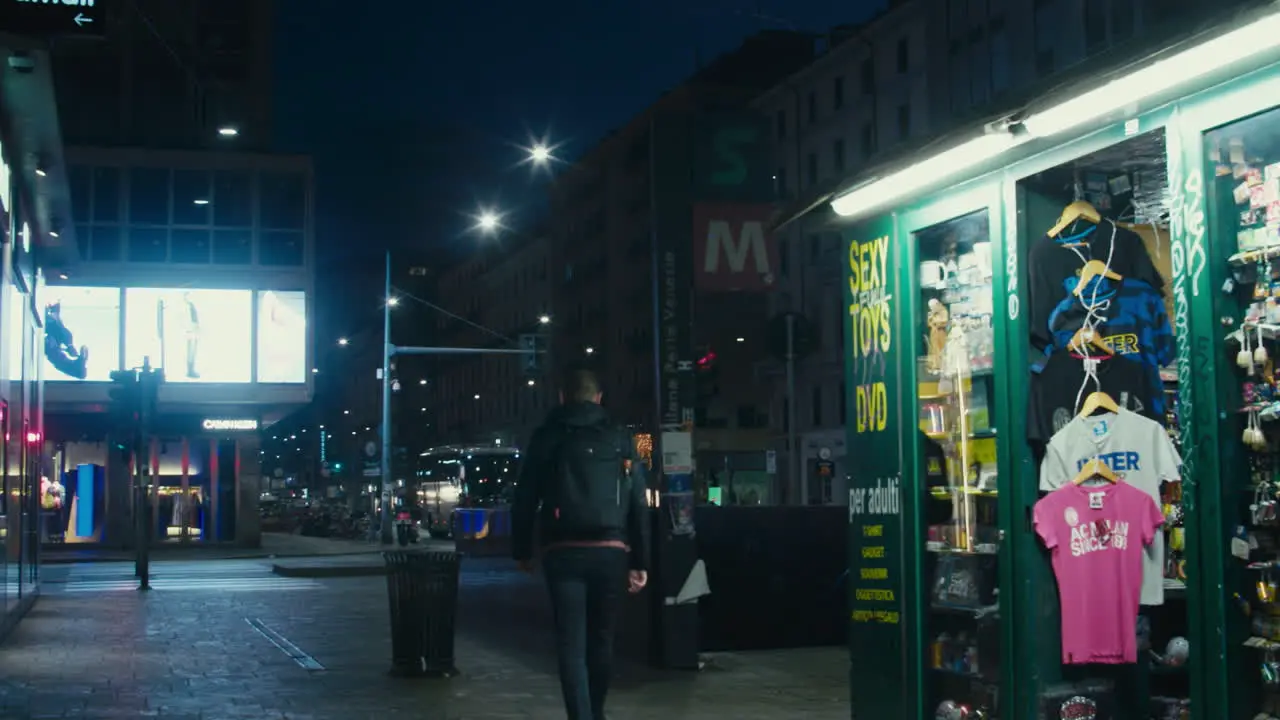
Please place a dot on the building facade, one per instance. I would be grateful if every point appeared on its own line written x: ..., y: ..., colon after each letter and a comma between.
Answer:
x: 497, y: 296
x: 34, y: 203
x: 170, y: 74
x: 200, y: 264
x: 908, y: 74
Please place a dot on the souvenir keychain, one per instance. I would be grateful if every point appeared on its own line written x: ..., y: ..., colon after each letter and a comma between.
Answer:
x: 1244, y: 358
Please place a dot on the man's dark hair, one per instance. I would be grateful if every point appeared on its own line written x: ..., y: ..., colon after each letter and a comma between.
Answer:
x: 580, y: 385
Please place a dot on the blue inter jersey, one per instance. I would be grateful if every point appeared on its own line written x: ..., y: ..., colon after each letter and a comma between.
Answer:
x: 1132, y: 321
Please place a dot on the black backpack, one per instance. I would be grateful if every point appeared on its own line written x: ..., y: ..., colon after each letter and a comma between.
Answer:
x: 589, y: 492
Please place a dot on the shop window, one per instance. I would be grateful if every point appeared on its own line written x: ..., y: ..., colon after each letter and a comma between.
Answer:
x: 80, y: 184
x: 192, y: 197
x: 283, y: 200
x: 277, y: 247
x: 149, y: 196
x: 837, y: 93
x: 104, y: 243
x: 148, y: 244
x: 232, y: 199
x: 106, y: 194
x: 1102, y: 416
x: 956, y: 446
x: 189, y: 246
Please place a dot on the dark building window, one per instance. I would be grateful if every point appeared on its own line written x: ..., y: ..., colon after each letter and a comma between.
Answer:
x: 149, y: 196
x: 868, y: 77
x: 80, y: 183
x: 780, y: 124
x: 837, y: 154
x: 837, y: 93
x: 868, y: 139
x: 232, y: 199
x: 189, y: 246
x: 1122, y: 20
x: 233, y: 247
x: 104, y: 243
x: 904, y: 121
x: 817, y: 406
x: 191, y: 197
x: 1095, y: 25
x: 284, y: 200
x: 148, y: 244
x: 280, y: 248
x: 904, y: 54
x: 106, y: 194
x: 813, y: 106
x: 813, y: 168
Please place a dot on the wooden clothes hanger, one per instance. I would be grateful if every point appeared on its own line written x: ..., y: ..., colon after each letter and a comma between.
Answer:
x: 1094, y: 269
x: 1098, y: 401
x: 1078, y: 210
x: 1087, y: 337
x: 1095, y: 469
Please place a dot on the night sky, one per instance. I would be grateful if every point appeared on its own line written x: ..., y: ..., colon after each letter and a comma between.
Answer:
x: 415, y: 110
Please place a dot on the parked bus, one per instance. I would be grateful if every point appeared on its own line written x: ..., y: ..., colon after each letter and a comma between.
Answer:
x: 455, y: 476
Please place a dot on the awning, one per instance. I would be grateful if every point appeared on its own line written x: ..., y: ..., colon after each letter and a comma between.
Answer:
x: 32, y: 138
x: 999, y: 124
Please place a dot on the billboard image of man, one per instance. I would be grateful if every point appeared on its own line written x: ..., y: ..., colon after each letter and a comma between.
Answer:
x: 60, y: 345
x: 189, y: 321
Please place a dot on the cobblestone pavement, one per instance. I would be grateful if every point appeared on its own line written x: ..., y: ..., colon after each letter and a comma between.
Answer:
x: 221, y: 640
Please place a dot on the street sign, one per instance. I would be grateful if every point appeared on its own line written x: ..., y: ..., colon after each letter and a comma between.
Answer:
x: 53, y: 17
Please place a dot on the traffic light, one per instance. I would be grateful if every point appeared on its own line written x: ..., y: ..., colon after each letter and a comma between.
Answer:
x: 533, y: 359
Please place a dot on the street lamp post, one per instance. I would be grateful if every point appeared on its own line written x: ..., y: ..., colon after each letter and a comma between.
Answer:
x: 389, y: 351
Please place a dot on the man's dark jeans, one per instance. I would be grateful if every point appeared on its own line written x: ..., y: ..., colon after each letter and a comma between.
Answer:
x: 587, y: 586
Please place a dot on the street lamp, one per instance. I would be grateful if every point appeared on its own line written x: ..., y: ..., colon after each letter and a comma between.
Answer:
x: 228, y: 131
x: 544, y: 319
x: 343, y: 341
x: 540, y: 154
x: 393, y: 301
x: 590, y: 350
x: 488, y: 221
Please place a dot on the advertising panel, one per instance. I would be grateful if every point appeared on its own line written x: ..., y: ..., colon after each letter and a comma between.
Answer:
x: 282, y: 336
x: 732, y: 247
x: 197, y: 336
x: 82, y: 333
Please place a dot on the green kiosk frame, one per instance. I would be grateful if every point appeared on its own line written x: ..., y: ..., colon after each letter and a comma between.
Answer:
x: 999, y: 646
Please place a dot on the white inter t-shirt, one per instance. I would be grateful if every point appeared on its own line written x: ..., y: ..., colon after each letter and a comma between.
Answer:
x: 1137, y: 450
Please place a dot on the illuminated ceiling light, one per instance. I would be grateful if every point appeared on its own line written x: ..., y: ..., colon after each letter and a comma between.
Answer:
x: 41, y: 172
x: 315, y: 370
x: 742, y: 339
x: 544, y: 319
x: 63, y: 276
x: 53, y: 233
x: 590, y: 350
x: 1160, y: 76
x: 532, y: 383
x: 228, y: 131
x: 343, y: 342
x: 422, y: 381
x: 200, y: 201
x: 477, y: 396
x: 393, y: 301
x: 930, y: 171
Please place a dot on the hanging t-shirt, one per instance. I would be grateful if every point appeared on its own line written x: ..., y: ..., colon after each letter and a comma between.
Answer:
x: 1130, y: 317
x: 1055, y: 390
x: 1051, y: 265
x: 1095, y: 535
x: 1137, y: 450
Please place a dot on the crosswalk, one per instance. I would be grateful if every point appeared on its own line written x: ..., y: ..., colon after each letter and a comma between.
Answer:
x: 171, y: 576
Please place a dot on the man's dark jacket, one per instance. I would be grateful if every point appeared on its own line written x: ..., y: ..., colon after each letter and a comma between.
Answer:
x: 540, y: 467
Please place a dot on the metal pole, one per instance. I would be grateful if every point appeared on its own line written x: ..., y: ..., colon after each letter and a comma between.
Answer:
x: 793, y: 444
x: 385, y: 427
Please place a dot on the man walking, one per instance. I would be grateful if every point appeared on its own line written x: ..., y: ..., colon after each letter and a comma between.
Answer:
x: 581, y: 469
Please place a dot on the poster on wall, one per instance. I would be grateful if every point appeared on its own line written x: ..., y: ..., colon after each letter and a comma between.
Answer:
x: 282, y: 336
x: 81, y: 333
x: 196, y: 336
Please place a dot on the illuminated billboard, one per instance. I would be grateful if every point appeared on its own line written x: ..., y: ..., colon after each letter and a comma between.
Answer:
x: 82, y: 332
x: 197, y: 336
x: 282, y: 337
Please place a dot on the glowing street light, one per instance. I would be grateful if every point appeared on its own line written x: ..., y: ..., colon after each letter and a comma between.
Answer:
x: 343, y: 341
x: 544, y: 319
x: 393, y: 301
x: 228, y: 131
x: 540, y: 154
x: 488, y: 221
x: 590, y: 350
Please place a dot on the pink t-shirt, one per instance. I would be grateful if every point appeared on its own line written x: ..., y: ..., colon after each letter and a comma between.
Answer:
x: 1095, y: 535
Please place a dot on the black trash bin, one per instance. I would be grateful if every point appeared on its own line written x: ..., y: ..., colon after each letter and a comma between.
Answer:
x: 422, y: 588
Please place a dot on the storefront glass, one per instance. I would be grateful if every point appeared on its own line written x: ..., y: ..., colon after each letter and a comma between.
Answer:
x: 956, y: 472
x: 1242, y: 169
